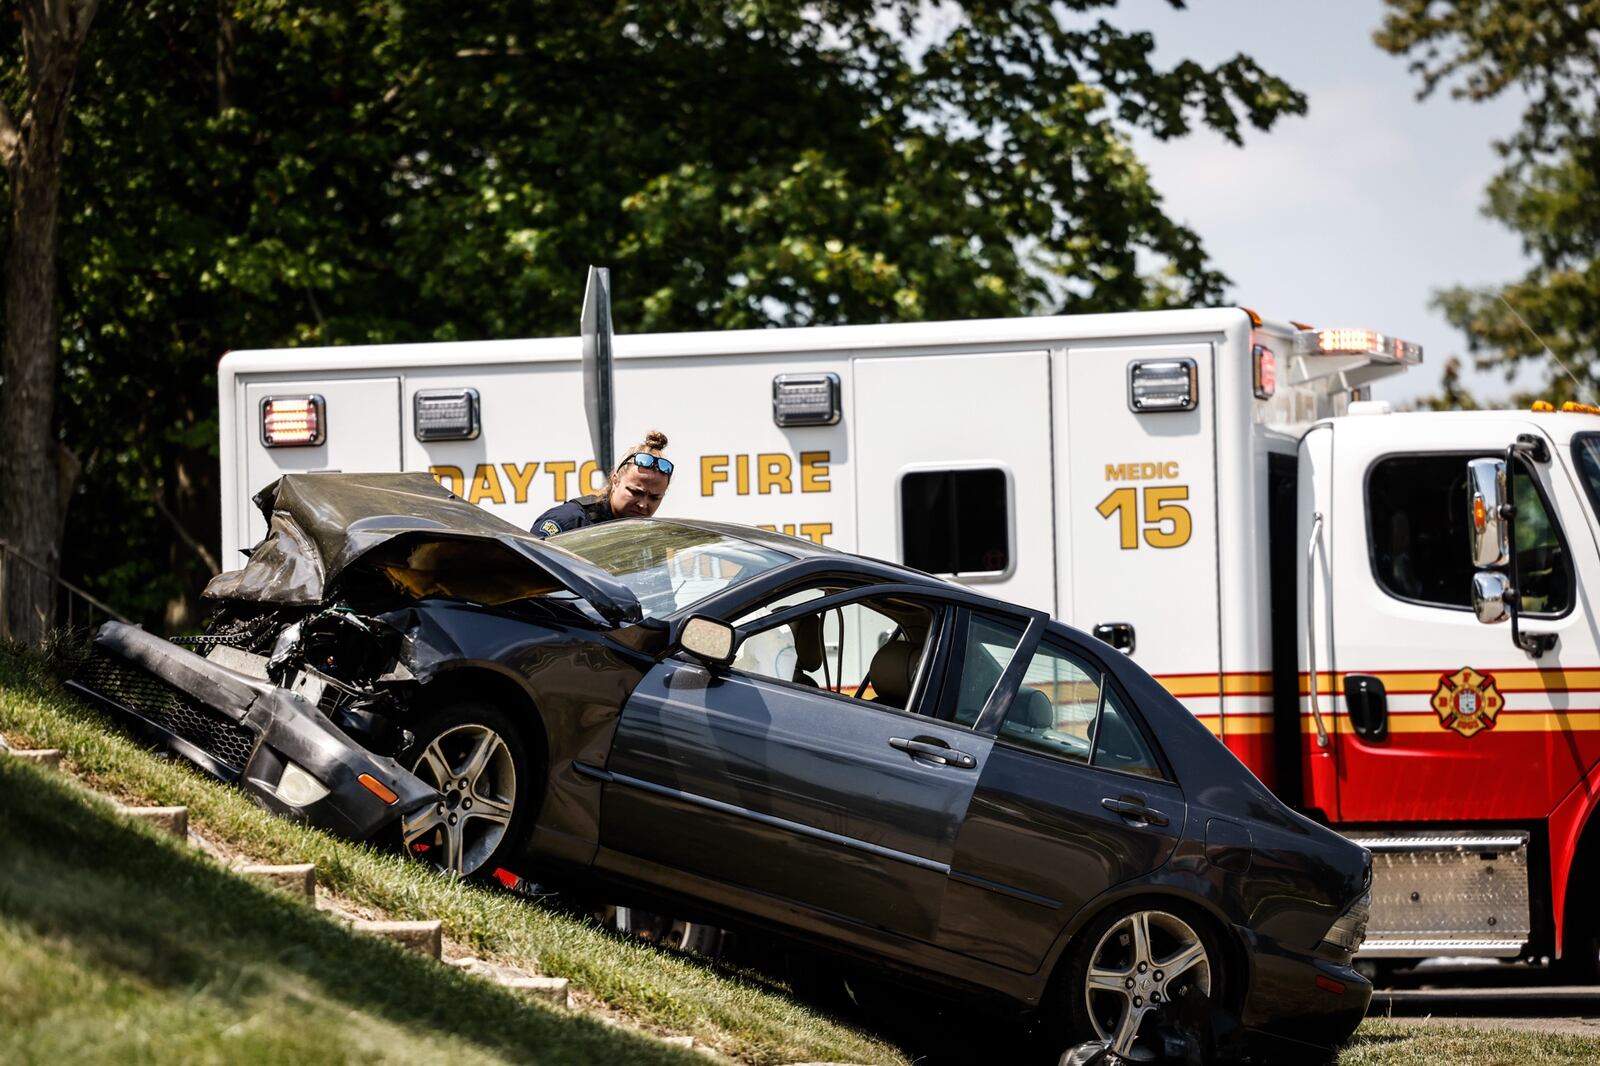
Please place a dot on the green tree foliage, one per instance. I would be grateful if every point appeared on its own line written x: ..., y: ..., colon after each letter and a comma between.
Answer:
x: 1549, y: 189
x: 257, y: 173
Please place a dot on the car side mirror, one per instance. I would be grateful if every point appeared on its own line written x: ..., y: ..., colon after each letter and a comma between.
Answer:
x: 708, y: 639
x: 1486, y: 496
x: 1489, y: 599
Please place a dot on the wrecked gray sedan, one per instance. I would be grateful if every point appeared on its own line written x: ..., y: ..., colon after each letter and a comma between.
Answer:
x: 763, y: 733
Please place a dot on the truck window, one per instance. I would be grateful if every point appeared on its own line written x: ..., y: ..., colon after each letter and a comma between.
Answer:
x: 956, y: 521
x: 1586, y: 457
x: 1420, y: 548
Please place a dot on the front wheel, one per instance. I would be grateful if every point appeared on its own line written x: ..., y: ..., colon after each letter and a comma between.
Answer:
x: 1137, y: 970
x: 472, y: 753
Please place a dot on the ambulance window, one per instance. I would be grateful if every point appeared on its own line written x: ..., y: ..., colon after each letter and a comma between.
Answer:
x: 956, y: 521
x: 1420, y: 547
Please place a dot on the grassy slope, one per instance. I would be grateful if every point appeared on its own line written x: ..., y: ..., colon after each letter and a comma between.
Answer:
x: 738, y: 1017
x: 119, y: 946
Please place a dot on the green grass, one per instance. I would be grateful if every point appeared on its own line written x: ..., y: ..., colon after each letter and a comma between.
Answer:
x: 193, y: 957
x: 1392, y: 1043
x: 119, y: 946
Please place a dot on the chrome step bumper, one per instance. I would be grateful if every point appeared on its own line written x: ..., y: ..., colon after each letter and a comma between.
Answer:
x: 1447, y: 893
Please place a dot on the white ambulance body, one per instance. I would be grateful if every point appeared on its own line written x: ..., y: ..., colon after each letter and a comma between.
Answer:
x: 1173, y: 478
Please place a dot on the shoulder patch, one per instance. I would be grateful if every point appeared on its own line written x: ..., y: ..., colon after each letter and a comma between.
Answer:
x: 549, y: 527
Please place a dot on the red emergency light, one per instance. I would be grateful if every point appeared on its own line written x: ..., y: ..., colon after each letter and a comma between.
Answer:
x: 293, y: 421
x: 1266, y: 371
x: 1356, y: 342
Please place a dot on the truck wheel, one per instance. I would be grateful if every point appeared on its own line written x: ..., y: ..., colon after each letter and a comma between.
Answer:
x: 471, y: 752
x: 1136, y: 964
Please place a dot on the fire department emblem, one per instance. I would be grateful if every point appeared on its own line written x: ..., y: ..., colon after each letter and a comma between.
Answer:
x: 1467, y: 701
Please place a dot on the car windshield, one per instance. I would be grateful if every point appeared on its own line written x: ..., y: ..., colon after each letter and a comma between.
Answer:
x: 668, y: 566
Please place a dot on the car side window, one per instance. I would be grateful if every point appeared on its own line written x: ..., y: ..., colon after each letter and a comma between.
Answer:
x: 773, y: 653
x: 1055, y: 709
x: 1118, y: 744
x: 873, y: 650
x: 990, y: 644
x: 1065, y: 709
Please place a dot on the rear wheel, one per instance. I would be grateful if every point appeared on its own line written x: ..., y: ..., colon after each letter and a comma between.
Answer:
x: 1138, y: 966
x: 472, y: 753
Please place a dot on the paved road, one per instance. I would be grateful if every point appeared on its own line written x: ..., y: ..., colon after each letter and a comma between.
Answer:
x: 1489, y: 997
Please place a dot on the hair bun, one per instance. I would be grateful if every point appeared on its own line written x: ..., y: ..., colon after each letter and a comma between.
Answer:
x: 655, y: 439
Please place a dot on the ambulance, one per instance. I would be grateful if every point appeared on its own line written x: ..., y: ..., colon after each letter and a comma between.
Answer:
x: 1384, y: 615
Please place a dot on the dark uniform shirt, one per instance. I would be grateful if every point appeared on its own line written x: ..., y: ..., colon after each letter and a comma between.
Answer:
x: 574, y: 514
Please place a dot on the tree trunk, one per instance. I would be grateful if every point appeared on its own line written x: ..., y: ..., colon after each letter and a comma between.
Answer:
x: 30, y: 504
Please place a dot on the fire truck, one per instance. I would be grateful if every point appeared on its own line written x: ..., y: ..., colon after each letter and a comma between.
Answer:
x: 1384, y: 615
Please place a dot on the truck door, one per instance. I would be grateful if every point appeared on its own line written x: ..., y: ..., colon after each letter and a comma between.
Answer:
x: 1136, y: 504
x: 360, y: 433
x: 954, y: 469
x: 1441, y: 717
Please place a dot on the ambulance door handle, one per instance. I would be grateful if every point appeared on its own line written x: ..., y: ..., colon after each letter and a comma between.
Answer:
x: 1311, y: 625
x: 1117, y: 634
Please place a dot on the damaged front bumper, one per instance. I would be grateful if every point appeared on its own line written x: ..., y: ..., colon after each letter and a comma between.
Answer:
x: 285, y: 753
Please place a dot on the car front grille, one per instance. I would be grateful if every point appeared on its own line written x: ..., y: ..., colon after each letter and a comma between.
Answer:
x: 159, y: 703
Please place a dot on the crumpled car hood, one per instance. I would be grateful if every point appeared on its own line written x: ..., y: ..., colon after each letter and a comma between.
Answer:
x: 411, y: 531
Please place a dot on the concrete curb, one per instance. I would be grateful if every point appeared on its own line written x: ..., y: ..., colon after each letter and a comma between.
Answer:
x: 49, y: 758
x: 426, y: 938
x: 173, y: 820
x: 296, y: 879
x: 553, y: 990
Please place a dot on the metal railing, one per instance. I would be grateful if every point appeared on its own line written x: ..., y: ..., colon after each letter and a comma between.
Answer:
x: 73, y: 607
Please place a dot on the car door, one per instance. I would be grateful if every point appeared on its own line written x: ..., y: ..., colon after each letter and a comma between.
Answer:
x: 793, y: 783
x: 1072, y: 801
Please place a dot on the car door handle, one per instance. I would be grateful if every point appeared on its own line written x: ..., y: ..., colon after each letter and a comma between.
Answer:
x: 1134, y: 811
x: 935, y: 749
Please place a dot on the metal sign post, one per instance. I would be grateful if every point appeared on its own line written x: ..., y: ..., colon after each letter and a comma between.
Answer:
x: 597, y: 381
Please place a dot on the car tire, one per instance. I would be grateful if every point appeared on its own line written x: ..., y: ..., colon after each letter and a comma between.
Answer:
x: 473, y: 753
x: 1120, y: 974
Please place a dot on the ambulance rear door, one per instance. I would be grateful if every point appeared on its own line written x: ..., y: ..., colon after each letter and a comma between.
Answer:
x: 357, y: 426
x: 1136, y: 505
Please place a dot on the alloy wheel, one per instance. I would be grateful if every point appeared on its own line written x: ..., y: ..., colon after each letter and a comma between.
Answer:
x: 1145, y: 960
x: 472, y: 766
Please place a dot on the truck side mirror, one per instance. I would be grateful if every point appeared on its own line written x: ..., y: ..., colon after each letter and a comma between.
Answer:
x: 1489, y: 588
x: 1492, y: 516
x: 1486, y: 494
x: 707, y: 639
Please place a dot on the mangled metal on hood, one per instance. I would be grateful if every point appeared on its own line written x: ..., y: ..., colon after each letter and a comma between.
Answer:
x: 404, y: 534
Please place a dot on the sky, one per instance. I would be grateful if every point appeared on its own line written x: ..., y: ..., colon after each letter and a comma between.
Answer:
x: 1354, y: 214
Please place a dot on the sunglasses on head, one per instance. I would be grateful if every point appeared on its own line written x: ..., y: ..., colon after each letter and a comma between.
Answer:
x: 646, y: 461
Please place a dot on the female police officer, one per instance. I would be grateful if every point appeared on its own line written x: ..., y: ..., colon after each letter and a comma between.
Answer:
x: 637, y: 486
